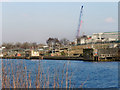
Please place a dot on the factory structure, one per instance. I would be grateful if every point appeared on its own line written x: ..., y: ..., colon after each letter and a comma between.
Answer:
x: 98, y: 46
x: 105, y: 37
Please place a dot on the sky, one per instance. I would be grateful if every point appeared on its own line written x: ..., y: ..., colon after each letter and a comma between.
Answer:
x: 37, y: 21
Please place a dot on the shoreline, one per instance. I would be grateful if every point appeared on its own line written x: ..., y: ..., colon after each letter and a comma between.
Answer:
x: 61, y: 58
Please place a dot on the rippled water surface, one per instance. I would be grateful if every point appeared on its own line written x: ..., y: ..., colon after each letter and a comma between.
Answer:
x: 87, y: 74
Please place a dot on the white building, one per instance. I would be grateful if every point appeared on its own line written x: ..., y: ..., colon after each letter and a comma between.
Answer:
x: 111, y: 36
x: 82, y: 39
x: 98, y: 37
x: 103, y: 37
x: 1, y: 55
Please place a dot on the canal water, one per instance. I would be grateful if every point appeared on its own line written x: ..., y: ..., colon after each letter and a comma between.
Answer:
x: 76, y: 73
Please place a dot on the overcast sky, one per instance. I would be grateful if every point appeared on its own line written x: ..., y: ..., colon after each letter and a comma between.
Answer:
x: 37, y: 21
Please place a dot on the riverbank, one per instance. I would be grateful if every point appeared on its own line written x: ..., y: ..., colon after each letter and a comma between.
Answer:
x: 62, y: 58
x: 78, y: 59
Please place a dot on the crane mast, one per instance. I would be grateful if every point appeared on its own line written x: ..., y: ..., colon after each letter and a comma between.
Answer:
x: 80, y: 21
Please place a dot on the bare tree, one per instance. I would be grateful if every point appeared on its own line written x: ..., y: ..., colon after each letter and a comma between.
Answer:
x: 53, y: 41
x: 26, y: 45
x: 8, y: 45
x: 18, y: 45
x: 34, y: 45
x: 64, y: 41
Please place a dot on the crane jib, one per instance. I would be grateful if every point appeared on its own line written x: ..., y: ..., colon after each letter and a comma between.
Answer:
x: 79, y: 25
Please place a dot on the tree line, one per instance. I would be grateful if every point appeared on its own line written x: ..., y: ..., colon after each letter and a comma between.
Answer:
x: 51, y: 42
x: 19, y: 45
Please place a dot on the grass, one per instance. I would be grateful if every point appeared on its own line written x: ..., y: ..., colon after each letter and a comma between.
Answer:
x: 20, y: 77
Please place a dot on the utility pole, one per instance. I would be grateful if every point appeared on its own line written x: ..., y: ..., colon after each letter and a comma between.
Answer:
x: 52, y: 48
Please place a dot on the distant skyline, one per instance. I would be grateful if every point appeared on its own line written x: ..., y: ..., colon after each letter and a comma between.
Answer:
x: 37, y: 21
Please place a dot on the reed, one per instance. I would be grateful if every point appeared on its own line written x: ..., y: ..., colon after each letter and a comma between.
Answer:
x: 29, y: 81
x: 48, y: 78
x: 19, y: 77
x: 62, y: 76
x: 67, y: 77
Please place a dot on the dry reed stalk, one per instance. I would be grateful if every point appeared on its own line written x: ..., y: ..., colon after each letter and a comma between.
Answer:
x: 70, y: 81
x: 18, y: 81
x: 67, y: 78
x: 3, y: 77
x: 26, y: 85
x: 70, y: 78
x: 62, y: 75
x: 84, y: 82
x: 17, y: 78
x: 1, y: 74
x: 57, y: 79
x: 42, y: 75
x: 54, y: 82
x: 6, y: 81
x: 29, y: 81
x: 38, y: 78
x: 38, y: 81
x: 23, y: 73
x: 48, y: 81
x: 14, y: 86
x: 7, y: 84
x: 23, y: 77
x: 8, y: 78
x: 41, y: 82
x: 4, y: 74
x: 48, y: 78
x: 44, y: 80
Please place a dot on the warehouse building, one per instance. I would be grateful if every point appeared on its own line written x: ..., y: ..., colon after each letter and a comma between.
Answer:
x: 98, y: 38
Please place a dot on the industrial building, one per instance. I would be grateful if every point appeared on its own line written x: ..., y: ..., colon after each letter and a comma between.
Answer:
x: 98, y: 38
x: 105, y: 37
x: 101, y: 54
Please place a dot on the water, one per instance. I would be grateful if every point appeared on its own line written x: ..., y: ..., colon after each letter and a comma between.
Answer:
x: 85, y: 74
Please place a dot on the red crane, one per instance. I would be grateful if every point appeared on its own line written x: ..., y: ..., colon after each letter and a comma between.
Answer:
x: 80, y: 21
